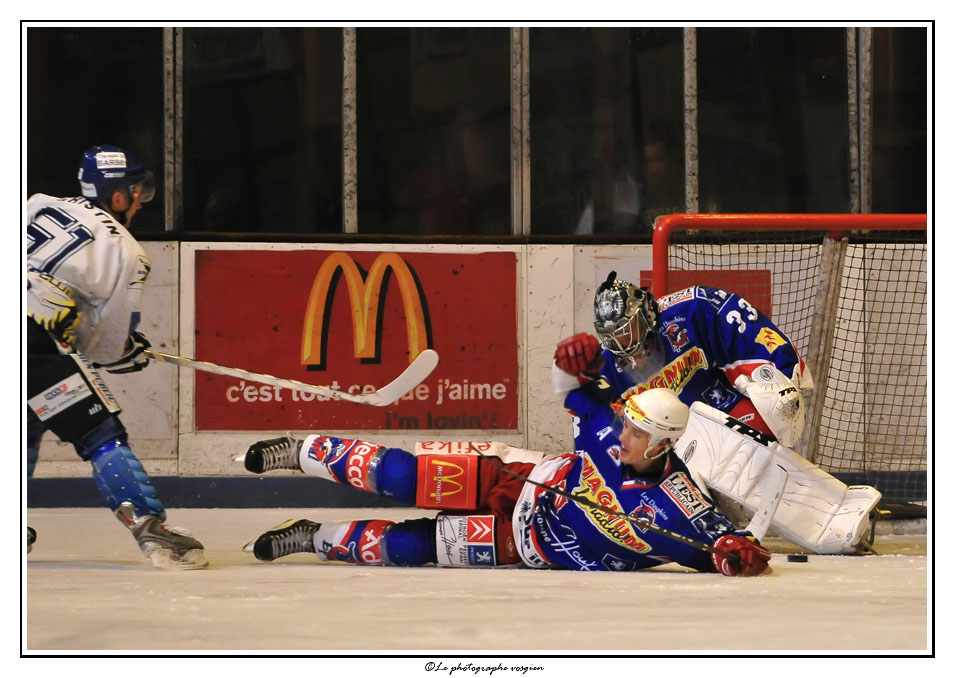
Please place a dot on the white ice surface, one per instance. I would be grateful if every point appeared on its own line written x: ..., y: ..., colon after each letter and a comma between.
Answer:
x: 87, y: 590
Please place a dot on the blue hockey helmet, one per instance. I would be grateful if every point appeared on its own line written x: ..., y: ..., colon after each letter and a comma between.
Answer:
x: 103, y: 169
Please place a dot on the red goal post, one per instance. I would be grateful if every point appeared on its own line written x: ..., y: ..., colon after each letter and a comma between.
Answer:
x: 850, y: 291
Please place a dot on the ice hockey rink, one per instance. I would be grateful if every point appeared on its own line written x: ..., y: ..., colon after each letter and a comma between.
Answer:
x: 86, y: 591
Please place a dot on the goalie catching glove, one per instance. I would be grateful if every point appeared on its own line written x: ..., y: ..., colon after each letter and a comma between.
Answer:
x: 739, y: 556
x: 134, y: 356
x: 778, y: 400
x: 52, y: 306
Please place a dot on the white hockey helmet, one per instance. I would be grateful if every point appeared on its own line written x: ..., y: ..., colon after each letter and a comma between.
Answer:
x: 659, y: 412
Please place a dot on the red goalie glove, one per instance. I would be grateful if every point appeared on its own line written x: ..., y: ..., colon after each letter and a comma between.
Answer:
x: 579, y: 354
x: 751, y: 558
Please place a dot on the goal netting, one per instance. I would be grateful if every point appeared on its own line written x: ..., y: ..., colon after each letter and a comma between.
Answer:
x: 850, y: 292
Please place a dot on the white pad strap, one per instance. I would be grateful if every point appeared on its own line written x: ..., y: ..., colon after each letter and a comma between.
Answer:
x: 815, y: 510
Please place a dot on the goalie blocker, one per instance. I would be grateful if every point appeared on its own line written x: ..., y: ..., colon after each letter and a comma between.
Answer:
x: 815, y: 510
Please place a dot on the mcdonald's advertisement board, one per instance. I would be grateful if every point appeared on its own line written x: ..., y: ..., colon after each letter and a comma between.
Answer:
x: 353, y: 322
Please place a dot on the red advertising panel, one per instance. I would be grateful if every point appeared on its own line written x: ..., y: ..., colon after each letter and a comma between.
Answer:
x: 353, y: 322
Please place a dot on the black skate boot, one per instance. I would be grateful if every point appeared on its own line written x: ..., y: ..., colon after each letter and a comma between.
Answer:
x: 31, y: 537
x: 167, y: 548
x: 276, y: 453
x: 292, y: 536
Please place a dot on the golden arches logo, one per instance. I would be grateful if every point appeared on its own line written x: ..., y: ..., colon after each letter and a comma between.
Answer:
x: 366, y: 294
x: 443, y: 477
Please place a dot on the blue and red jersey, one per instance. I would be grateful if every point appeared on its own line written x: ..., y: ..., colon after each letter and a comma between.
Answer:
x: 555, y: 531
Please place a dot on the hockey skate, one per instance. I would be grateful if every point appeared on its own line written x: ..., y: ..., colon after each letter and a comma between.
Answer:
x: 292, y: 536
x: 31, y: 537
x: 167, y: 548
x: 276, y: 453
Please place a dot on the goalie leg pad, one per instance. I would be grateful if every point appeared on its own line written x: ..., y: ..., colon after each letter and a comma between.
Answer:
x: 815, y: 511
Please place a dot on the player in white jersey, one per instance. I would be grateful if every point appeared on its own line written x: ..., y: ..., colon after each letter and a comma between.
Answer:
x: 85, y: 276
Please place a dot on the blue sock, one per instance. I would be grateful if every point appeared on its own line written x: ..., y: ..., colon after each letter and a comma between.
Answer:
x: 397, y: 475
x: 410, y: 543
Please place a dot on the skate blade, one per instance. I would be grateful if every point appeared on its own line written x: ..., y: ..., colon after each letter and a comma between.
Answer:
x: 190, y: 560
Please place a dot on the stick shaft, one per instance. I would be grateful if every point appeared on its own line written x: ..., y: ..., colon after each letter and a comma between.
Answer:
x: 416, y: 372
x: 642, y: 523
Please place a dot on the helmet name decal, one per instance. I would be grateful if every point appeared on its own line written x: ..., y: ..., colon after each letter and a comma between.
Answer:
x: 109, y: 159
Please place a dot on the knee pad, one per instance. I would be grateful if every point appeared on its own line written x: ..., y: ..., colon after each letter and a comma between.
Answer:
x: 410, y: 543
x: 104, y: 434
x: 120, y: 477
x: 474, y: 541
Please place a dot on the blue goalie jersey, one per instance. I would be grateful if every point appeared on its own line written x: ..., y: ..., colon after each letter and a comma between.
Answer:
x: 554, y: 531
x: 707, y: 338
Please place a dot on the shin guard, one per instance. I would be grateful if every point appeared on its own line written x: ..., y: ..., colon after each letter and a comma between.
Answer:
x: 387, y: 471
x: 409, y: 543
x: 358, y: 542
x: 121, y: 478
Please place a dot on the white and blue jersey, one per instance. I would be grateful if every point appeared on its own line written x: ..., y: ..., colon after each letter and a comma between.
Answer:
x: 84, y: 247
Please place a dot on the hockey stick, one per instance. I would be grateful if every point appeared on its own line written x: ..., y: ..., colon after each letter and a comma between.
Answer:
x: 415, y: 373
x: 642, y: 523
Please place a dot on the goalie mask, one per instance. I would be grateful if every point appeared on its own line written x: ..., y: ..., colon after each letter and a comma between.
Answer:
x: 625, y: 318
x: 659, y: 412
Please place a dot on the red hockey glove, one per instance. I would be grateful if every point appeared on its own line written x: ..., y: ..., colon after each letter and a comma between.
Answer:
x: 579, y: 355
x: 751, y: 558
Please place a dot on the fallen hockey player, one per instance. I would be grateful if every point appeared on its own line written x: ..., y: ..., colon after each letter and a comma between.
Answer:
x: 744, y: 380
x: 606, y: 506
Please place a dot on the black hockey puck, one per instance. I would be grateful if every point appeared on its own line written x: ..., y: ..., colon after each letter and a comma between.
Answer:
x: 797, y: 558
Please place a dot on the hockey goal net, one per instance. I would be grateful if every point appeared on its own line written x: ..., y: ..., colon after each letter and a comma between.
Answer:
x: 849, y: 290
